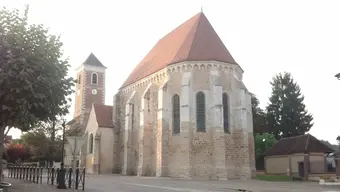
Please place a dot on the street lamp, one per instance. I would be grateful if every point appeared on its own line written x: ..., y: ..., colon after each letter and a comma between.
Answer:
x: 61, y: 175
x: 338, y: 76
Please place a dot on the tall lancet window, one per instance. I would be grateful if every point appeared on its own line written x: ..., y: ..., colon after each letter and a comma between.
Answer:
x: 226, y: 110
x: 200, y: 112
x: 94, y: 79
x: 91, y: 143
x: 176, y: 119
x: 79, y: 79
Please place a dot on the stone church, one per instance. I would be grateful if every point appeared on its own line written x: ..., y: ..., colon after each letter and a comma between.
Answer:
x: 183, y: 111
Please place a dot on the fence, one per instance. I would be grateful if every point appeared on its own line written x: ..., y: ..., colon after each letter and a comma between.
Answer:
x: 33, y: 174
x: 77, y: 181
x: 38, y: 174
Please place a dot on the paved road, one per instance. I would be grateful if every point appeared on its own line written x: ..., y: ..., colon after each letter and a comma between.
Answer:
x: 118, y: 183
x: 104, y: 183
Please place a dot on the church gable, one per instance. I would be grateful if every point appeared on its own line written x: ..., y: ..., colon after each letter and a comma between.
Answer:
x: 194, y: 40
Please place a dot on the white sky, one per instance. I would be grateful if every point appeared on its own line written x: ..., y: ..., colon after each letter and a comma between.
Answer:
x: 264, y: 37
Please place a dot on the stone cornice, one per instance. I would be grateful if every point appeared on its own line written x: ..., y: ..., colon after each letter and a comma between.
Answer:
x: 185, y: 66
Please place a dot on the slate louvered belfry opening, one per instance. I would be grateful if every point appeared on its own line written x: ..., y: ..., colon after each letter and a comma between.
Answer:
x: 225, y: 102
x: 94, y: 78
x: 176, y: 121
x: 200, y: 112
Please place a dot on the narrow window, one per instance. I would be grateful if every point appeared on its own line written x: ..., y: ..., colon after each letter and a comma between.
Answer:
x: 91, y: 143
x: 79, y: 79
x: 132, y: 115
x: 225, y: 101
x: 176, y: 121
x: 94, y: 78
x: 200, y: 111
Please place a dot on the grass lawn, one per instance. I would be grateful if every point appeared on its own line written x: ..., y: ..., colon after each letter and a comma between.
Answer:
x: 273, y: 178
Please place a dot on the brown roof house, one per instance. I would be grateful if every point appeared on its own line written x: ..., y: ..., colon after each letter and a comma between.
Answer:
x: 297, y: 155
x: 182, y: 112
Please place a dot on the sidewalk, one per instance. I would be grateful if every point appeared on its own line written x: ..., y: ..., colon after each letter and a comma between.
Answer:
x: 26, y: 186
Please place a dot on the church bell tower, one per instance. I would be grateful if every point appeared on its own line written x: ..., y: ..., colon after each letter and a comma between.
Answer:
x: 90, y: 87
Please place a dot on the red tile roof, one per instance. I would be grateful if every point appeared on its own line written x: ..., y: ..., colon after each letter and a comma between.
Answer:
x: 103, y: 115
x: 194, y: 40
x: 298, y: 144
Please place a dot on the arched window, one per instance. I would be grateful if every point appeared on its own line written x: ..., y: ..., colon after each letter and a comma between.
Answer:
x: 225, y: 101
x: 176, y: 119
x: 94, y: 78
x: 91, y: 143
x: 200, y: 112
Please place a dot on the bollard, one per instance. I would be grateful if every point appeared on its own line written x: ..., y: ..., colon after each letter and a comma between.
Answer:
x: 48, y: 175
x: 83, y: 179
x: 52, y: 178
x: 41, y: 174
x: 77, y: 176
x: 69, y: 177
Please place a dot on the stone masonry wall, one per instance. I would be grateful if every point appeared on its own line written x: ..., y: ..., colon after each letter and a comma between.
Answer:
x: 131, y: 136
x: 190, y: 154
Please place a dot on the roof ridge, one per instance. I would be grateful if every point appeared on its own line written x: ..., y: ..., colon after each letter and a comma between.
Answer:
x: 319, y: 141
x: 195, y: 33
x: 291, y: 137
x: 193, y: 40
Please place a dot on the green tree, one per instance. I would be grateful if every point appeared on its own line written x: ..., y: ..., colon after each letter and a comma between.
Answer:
x: 263, y: 142
x: 259, y: 116
x: 33, y: 74
x: 286, y: 113
x: 44, y: 142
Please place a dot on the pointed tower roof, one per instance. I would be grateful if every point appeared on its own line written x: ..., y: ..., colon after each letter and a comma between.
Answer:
x: 194, y: 40
x: 92, y: 60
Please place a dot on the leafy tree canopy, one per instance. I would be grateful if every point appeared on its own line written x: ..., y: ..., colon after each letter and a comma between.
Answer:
x: 33, y: 76
x: 262, y: 143
x: 43, y: 141
x: 259, y: 116
x: 286, y: 113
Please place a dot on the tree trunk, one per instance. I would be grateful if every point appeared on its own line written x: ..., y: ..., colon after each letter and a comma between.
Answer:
x: 51, y: 147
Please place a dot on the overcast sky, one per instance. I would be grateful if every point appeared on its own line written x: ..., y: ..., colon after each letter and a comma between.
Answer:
x: 265, y: 37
